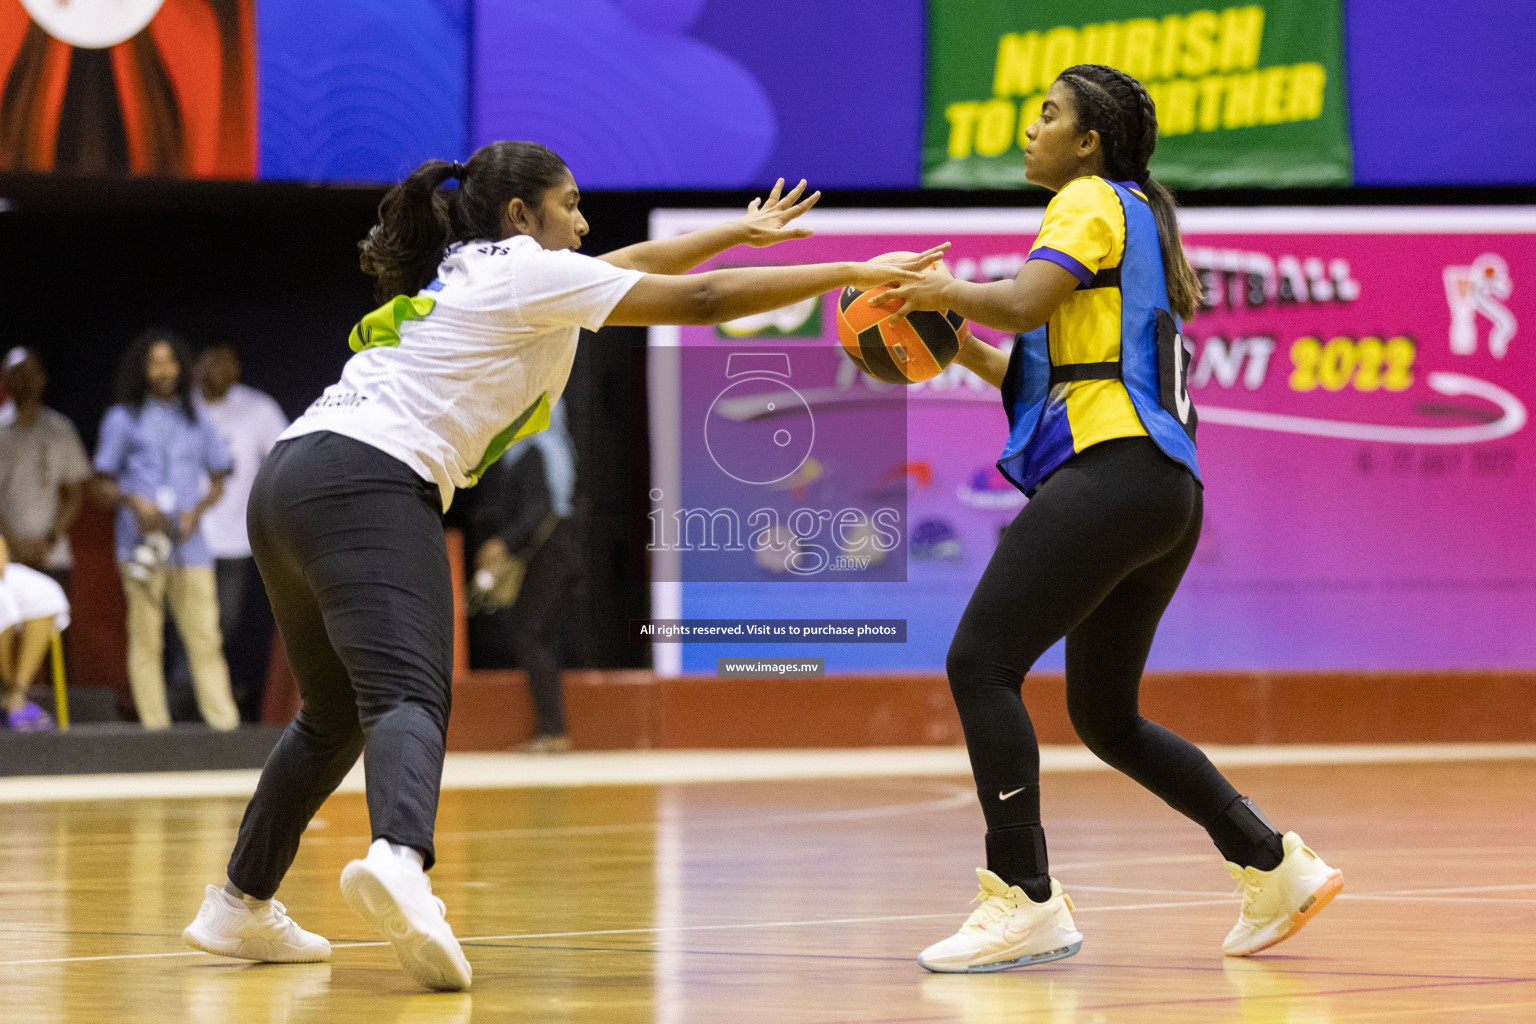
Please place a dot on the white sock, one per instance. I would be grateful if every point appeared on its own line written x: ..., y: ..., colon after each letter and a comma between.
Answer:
x: 237, y: 898
x: 409, y: 853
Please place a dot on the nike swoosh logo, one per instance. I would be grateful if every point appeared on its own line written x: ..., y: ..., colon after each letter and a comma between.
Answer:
x: 1014, y: 793
x: 1011, y: 934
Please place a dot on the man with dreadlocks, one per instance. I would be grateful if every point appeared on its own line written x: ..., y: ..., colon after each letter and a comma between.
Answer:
x: 1102, y: 439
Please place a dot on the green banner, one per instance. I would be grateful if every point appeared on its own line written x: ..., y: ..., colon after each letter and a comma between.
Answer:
x: 1246, y: 96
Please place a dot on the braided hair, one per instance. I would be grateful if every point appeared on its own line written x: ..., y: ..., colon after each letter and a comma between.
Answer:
x: 1118, y: 107
x: 418, y: 220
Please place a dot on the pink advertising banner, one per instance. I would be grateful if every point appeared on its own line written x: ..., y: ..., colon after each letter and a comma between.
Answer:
x: 1363, y: 384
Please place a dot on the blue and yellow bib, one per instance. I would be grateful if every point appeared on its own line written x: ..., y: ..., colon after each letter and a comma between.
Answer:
x: 1110, y: 362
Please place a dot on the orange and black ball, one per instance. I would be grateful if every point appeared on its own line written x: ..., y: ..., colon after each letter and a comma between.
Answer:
x: 915, y: 348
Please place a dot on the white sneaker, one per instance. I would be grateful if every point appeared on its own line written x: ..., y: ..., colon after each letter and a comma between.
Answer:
x: 393, y: 894
x: 1277, y: 903
x: 252, y: 930
x: 1007, y: 930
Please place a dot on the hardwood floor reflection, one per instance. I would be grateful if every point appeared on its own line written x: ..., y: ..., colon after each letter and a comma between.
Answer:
x: 802, y: 903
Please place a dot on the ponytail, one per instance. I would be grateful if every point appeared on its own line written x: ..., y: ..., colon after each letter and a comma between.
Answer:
x: 404, y: 248
x: 1119, y: 108
x: 1184, y: 289
x: 418, y: 221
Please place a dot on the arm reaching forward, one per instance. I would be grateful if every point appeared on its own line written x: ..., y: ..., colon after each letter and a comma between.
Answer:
x: 1014, y: 306
x: 722, y: 295
x: 764, y: 224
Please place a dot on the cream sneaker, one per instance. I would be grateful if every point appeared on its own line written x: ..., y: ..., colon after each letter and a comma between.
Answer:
x: 252, y: 930
x: 1007, y: 930
x: 393, y: 894
x: 1276, y: 904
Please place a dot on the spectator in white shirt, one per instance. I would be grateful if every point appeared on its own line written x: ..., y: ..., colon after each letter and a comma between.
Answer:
x: 43, y: 469
x: 248, y: 421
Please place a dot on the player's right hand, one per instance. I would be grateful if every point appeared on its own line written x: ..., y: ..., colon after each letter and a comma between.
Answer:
x: 896, y: 271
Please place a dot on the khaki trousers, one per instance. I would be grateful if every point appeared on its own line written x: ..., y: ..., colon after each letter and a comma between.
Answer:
x: 193, y: 599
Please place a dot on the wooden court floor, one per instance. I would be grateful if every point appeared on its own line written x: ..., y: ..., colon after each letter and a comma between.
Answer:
x: 800, y: 902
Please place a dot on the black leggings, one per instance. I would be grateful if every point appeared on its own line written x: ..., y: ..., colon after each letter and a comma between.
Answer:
x: 1095, y: 557
x: 350, y: 545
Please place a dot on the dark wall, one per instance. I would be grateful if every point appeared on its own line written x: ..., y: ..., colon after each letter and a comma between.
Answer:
x: 85, y: 265
x: 271, y: 269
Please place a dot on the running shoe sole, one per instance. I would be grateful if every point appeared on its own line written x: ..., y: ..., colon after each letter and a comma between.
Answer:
x: 259, y: 950
x: 1004, y: 965
x: 1310, y: 908
x: 433, y: 963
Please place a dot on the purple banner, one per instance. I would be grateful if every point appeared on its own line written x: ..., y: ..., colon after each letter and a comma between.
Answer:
x: 1363, y: 389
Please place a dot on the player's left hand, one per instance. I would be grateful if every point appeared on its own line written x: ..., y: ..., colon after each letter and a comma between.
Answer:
x: 765, y: 220
x: 927, y: 292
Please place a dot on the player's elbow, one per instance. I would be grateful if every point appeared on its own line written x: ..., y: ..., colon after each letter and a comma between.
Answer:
x: 1023, y: 314
x: 705, y: 302
x: 1029, y: 320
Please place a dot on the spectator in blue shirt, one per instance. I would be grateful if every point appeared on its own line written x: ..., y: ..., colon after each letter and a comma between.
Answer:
x: 161, y: 465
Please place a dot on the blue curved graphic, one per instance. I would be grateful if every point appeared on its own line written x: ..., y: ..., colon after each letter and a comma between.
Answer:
x: 359, y: 91
x: 617, y: 89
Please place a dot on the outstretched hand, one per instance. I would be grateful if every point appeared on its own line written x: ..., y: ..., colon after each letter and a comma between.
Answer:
x: 899, y: 271
x: 925, y: 291
x: 765, y: 221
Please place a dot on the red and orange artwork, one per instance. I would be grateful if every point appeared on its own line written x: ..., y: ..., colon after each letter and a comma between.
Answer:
x: 128, y: 87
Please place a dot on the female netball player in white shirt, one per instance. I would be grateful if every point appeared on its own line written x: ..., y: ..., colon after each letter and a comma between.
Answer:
x: 484, y: 295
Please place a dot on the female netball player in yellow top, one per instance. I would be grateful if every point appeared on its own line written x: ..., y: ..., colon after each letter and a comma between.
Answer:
x: 484, y: 297
x: 1102, y: 439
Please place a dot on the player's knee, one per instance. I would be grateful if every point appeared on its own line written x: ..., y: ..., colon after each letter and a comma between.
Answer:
x: 964, y: 666
x: 334, y: 725
x: 1100, y: 729
x: 408, y: 717
x: 971, y: 672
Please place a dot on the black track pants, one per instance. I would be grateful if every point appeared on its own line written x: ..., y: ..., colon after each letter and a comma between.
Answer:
x: 1095, y: 556
x: 350, y: 546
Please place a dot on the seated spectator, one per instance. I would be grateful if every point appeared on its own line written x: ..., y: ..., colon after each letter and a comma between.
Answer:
x: 154, y: 452
x: 43, y: 469
x: 32, y: 610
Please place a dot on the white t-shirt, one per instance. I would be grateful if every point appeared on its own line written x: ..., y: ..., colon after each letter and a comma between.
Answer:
x: 34, y: 462
x: 249, y: 423
x: 496, y: 334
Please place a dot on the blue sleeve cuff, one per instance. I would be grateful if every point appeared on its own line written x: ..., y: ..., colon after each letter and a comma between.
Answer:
x: 1061, y: 259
